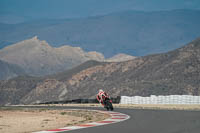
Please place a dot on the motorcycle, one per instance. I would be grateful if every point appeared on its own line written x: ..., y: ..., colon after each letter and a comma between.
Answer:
x: 108, y: 104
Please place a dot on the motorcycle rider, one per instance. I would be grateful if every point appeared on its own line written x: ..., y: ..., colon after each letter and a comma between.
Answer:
x: 101, y: 97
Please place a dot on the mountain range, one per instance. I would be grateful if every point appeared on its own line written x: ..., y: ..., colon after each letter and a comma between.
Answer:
x: 135, y: 33
x: 38, y: 58
x: 171, y: 73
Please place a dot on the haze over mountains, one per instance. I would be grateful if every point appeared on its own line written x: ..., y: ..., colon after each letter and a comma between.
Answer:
x: 174, y: 72
x: 38, y: 58
x: 131, y: 32
x: 8, y: 71
x: 14, y: 11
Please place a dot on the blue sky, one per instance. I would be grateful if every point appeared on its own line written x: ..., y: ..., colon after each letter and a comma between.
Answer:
x: 22, y: 10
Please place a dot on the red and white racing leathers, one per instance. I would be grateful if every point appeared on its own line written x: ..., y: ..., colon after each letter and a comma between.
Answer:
x: 101, y: 97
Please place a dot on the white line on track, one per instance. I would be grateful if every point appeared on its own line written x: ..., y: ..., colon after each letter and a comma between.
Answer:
x: 115, y: 117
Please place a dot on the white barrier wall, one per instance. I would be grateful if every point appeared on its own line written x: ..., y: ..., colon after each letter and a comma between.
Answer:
x: 171, y: 99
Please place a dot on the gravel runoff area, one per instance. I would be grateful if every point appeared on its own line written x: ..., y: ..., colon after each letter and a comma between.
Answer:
x: 24, y: 120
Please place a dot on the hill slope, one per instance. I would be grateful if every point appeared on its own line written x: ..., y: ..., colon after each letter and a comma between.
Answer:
x: 38, y: 58
x: 9, y: 70
x: 131, y: 32
x: 13, y: 90
x: 175, y: 72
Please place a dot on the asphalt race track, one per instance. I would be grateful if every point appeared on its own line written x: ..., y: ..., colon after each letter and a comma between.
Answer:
x: 147, y: 121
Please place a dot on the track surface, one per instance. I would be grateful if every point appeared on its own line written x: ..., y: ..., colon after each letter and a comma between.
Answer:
x: 147, y: 121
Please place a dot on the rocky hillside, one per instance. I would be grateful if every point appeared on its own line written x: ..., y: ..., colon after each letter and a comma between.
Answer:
x: 12, y: 91
x: 8, y: 71
x: 18, y: 90
x: 120, y: 58
x: 175, y: 72
x: 38, y: 58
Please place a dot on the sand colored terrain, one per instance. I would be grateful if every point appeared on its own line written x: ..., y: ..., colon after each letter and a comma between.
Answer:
x: 29, y: 120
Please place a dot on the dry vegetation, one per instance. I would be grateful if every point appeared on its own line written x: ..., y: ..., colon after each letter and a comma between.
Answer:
x: 15, y: 120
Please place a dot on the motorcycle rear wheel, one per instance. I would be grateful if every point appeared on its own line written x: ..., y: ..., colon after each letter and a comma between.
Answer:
x: 110, y: 106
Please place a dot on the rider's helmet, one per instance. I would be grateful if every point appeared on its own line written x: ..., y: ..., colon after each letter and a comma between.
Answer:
x: 100, y: 90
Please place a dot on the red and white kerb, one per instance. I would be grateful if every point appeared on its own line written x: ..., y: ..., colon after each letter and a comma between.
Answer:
x: 115, y: 117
